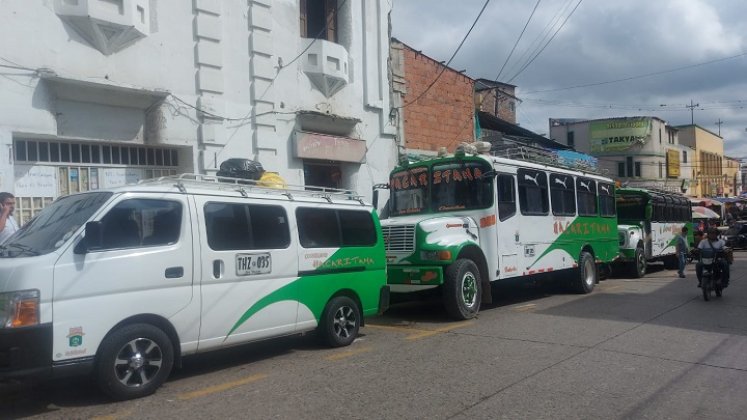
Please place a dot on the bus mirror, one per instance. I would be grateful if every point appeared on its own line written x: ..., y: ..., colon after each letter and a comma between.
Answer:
x: 376, y: 189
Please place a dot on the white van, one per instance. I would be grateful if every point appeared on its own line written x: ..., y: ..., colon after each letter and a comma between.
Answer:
x: 125, y: 282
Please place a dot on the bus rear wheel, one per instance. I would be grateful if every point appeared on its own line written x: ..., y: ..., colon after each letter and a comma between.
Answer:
x: 587, y: 275
x: 462, y: 289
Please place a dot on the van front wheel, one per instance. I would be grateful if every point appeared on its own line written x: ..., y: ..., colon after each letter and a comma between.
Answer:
x: 340, y: 322
x: 134, y: 361
x: 462, y: 289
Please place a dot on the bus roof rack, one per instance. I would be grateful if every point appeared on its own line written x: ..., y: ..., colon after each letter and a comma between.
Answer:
x: 544, y: 156
x: 243, y: 186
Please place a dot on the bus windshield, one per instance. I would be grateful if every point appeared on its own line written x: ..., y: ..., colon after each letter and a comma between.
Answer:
x: 631, y: 207
x: 460, y: 186
x: 456, y: 185
x: 409, y: 191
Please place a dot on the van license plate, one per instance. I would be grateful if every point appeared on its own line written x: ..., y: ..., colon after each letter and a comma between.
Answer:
x: 253, y: 264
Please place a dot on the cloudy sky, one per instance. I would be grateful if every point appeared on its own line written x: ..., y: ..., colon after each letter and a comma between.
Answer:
x: 695, y: 49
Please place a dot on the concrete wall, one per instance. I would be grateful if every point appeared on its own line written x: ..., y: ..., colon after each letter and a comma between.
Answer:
x: 242, y: 62
x: 709, y: 164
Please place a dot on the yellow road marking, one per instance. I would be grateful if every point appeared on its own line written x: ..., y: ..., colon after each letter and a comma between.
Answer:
x: 612, y: 288
x: 345, y: 354
x: 429, y: 333
x: 115, y: 416
x: 221, y: 387
x: 527, y: 307
x: 419, y: 332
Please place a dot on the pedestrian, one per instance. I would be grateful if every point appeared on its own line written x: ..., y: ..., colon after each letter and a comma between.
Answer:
x: 682, y: 250
x: 8, y: 225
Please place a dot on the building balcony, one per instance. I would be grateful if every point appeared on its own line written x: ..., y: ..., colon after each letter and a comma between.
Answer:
x: 108, y: 25
x: 327, y: 65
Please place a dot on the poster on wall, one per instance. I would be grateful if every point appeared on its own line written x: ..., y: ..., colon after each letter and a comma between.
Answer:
x: 35, y: 181
x: 673, y: 163
x: 118, y: 177
x: 618, y: 134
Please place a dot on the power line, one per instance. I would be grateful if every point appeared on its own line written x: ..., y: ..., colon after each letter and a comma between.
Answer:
x: 541, y: 37
x: 443, y: 69
x: 517, y: 40
x: 640, y: 76
x: 546, y: 44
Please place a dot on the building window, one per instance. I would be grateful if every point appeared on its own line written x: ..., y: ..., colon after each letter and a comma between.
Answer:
x: 629, y: 165
x: 621, y: 169
x: 319, y: 19
x: 684, y: 156
x: 638, y: 169
x: 511, y: 107
x: 32, y: 151
x: 571, y: 139
x: 325, y: 175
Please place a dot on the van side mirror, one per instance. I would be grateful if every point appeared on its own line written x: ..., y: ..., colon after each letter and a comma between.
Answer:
x: 93, y: 240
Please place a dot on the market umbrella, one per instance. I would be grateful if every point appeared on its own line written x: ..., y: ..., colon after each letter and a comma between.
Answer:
x: 700, y: 212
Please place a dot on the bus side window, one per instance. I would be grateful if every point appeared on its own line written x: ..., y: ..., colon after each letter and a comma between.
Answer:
x: 587, y: 196
x: 506, y: 197
x: 533, y: 199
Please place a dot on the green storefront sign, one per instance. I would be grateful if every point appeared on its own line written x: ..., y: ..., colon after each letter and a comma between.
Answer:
x: 619, y: 134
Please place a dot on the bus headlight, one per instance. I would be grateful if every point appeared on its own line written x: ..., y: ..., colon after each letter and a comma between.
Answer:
x: 435, y: 255
x: 19, y: 309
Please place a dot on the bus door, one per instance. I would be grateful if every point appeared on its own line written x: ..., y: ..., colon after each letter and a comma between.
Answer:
x: 508, y: 226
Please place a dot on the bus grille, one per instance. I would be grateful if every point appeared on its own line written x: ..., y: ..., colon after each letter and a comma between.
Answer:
x: 399, y: 238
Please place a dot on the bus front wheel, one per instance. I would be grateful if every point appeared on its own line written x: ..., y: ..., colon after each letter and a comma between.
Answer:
x: 462, y: 289
x: 638, y: 267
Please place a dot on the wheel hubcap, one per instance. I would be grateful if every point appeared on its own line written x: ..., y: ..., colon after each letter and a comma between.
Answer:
x: 138, y: 362
x: 641, y: 263
x: 345, y: 322
x: 589, y: 272
x: 469, y: 289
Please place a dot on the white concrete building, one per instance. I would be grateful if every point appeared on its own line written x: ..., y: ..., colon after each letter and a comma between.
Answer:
x: 96, y: 93
x: 637, y: 151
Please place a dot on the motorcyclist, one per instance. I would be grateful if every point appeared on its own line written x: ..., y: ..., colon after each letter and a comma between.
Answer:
x: 712, y: 241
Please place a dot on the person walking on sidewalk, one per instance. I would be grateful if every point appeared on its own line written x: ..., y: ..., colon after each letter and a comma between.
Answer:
x: 8, y: 225
x: 682, y: 250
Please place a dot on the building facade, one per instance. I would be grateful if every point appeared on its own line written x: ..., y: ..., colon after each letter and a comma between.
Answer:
x: 708, y: 171
x: 435, y: 103
x: 496, y: 98
x: 98, y: 93
x: 733, y: 172
x: 637, y: 151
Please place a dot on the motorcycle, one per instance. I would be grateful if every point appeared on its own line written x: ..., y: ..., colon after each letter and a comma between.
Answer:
x: 712, y: 278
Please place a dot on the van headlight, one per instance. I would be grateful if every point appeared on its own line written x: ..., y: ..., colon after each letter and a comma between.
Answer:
x: 19, y: 309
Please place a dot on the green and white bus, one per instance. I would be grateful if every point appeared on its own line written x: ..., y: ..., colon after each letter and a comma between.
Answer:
x: 459, y: 222
x: 649, y: 222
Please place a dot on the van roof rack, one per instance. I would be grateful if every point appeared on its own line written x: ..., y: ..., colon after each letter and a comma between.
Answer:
x: 244, y: 186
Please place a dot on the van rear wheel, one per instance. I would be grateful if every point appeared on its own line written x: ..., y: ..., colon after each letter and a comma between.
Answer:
x: 340, y: 322
x: 462, y: 289
x: 134, y: 361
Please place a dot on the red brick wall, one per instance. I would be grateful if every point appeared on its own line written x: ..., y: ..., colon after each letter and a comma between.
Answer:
x: 445, y: 115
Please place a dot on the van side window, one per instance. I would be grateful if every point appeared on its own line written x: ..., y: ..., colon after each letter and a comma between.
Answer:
x: 357, y: 228
x: 142, y: 222
x: 318, y: 228
x: 506, y: 197
x: 330, y: 228
x: 587, y: 196
x: 533, y: 198
x: 232, y: 226
x: 562, y: 195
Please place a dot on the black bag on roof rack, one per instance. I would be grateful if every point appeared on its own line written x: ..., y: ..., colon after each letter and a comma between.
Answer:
x: 241, y: 168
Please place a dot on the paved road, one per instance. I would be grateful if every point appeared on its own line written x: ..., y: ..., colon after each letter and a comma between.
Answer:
x: 648, y: 348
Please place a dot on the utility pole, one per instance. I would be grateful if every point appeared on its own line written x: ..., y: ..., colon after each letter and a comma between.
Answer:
x: 718, y: 123
x: 692, y: 109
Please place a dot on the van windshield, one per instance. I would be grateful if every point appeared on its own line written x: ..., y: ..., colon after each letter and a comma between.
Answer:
x: 54, y: 225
